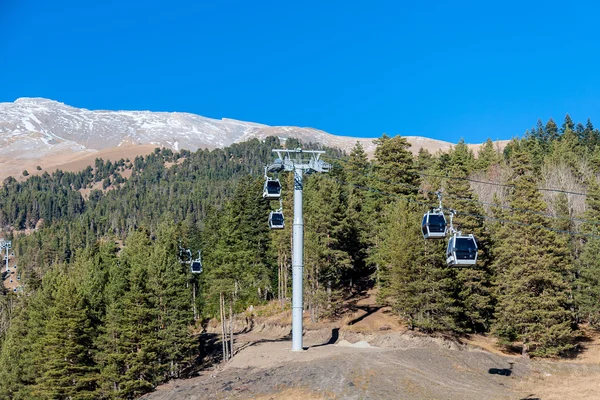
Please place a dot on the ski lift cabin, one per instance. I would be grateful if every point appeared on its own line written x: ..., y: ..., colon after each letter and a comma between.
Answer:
x: 461, y: 251
x: 196, y: 267
x: 276, y: 220
x: 433, y: 225
x: 272, y: 189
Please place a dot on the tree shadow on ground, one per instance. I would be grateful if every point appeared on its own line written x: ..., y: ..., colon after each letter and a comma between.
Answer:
x: 335, y: 334
x: 368, y: 311
x: 209, y: 353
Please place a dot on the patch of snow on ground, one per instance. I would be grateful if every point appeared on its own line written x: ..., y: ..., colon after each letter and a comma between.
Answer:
x: 28, y: 125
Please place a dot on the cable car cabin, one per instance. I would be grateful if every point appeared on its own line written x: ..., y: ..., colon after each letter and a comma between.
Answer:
x: 272, y: 189
x: 276, y: 220
x: 196, y: 267
x: 461, y: 251
x: 434, y: 225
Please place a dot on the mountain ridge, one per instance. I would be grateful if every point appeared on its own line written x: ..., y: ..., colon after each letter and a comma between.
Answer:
x: 36, y: 131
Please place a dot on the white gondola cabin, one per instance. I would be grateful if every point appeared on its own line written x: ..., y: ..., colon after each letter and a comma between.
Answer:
x: 196, y: 267
x: 272, y: 189
x: 276, y: 220
x: 434, y: 225
x: 461, y: 251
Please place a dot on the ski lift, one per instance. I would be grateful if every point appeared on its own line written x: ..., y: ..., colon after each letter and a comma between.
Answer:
x: 276, y: 220
x: 272, y: 188
x: 461, y: 251
x: 434, y: 225
x: 185, y: 255
x: 196, y: 265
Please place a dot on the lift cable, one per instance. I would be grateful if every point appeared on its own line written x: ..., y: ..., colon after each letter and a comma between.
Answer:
x: 410, y: 200
x: 484, y: 182
x: 586, y: 221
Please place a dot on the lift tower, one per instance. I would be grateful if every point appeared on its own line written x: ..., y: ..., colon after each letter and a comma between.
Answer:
x: 300, y: 162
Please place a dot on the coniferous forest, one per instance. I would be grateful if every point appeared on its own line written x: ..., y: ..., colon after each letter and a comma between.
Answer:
x: 106, y: 309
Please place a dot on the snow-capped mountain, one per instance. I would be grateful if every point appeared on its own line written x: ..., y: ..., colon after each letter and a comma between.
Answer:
x: 36, y: 131
x: 42, y: 124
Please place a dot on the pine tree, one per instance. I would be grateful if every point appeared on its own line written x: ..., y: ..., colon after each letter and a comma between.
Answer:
x: 551, y: 131
x: 587, y: 285
x: 412, y: 276
x: 238, y: 250
x: 16, y: 357
x: 130, y: 344
x: 172, y: 298
x: 69, y: 368
x: 473, y: 284
x: 360, y: 217
x: 487, y: 156
x: 533, y: 272
x: 567, y: 124
x: 540, y: 134
x: 325, y: 260
x: 395, y: 167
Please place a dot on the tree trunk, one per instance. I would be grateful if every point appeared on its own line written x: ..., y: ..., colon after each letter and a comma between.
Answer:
x: 223, y: 324
x: 525, y: 351
x: 194, y: 301
x: 231, y: 327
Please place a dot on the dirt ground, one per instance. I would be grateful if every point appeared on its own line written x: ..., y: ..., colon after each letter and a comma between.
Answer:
x: 369, y: 354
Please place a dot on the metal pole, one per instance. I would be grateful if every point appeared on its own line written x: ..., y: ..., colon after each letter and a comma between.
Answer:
x: 297, y: 262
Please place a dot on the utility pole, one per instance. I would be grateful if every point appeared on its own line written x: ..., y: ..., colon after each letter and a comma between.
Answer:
x: 300, y: 162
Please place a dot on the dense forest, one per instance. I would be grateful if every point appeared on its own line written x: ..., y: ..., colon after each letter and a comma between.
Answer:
x: 107, y: 309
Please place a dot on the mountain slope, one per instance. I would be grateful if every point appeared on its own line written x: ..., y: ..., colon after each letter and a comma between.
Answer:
x: 37, y: 131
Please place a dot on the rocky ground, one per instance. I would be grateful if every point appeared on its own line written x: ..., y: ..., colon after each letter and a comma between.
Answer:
x: 370, y: 356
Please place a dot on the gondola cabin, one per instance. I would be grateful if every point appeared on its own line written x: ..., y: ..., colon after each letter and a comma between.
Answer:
x: 196, y: 267
x: 276, y: 220
x: 433, y: 225
x: 272, y: 189
x: 461, y: 251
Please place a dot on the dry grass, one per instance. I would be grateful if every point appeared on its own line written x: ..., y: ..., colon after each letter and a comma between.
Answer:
x: 489, y: 344
x: 561, y: 387
x: 296, y: 394
x: 69, y: 161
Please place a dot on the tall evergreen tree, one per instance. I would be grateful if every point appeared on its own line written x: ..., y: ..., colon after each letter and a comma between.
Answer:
x: 487, y: 156
x: 325, y: 259
x: 359, y: 214
x: 532, y: 266
x: 395, y: 167
x: 567, y: 124
x: 412, y: 276
x: 587, y: 285
x: 472, y: 284
x: 69, y: 370
x: 551, y: 130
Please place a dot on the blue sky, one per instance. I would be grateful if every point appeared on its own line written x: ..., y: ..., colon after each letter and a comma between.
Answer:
x: 443, y: 69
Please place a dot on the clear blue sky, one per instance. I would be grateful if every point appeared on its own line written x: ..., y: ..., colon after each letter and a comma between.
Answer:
x: 441, y: 69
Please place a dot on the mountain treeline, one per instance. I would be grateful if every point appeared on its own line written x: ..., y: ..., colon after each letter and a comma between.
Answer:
x: 107, y: 307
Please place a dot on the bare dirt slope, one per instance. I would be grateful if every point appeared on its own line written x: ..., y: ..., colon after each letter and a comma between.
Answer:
x: 368, y: 353
x: 412, y: 369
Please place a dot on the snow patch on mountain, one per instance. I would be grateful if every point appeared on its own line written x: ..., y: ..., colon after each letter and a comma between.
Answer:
x: 38, y: 128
